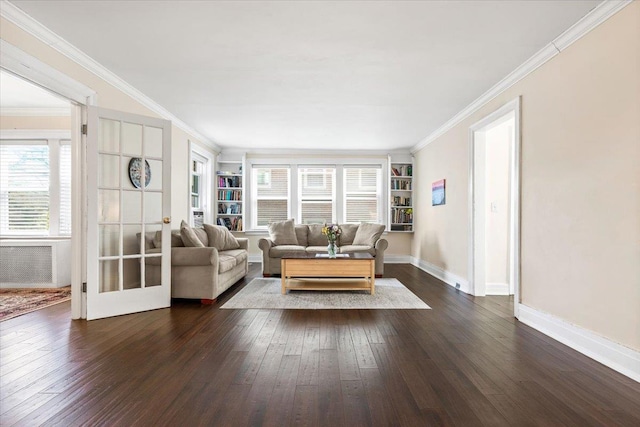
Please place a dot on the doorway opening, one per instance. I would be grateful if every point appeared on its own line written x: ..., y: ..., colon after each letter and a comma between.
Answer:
x: 494, y: 203
x: 35, y: 197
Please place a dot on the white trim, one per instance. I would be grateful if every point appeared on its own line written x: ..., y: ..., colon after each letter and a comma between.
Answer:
x: 60, y: 134
x: 442, y: 274
x: 595, y: 17
x: 30, y: 68
x: 616, y: 356
x: 257, y: 259
x: 36, y: 112
x: 398, y: 259
x: 496, y: 288
x: 514, y: 107
x: 42, y: 33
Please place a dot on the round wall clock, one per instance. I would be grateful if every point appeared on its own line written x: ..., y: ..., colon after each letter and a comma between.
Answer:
x: 135, y: 172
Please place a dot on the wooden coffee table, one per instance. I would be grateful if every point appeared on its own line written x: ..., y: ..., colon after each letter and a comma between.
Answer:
x: 305, y: 271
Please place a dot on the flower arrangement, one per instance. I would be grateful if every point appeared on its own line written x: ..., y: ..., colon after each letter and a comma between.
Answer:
x: 332, y: 231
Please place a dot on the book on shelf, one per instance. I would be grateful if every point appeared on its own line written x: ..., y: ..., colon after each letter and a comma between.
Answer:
x: 230, y: 181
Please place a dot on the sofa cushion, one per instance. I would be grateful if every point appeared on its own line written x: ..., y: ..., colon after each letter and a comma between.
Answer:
x: 239, y: 254
x: 226, y: 262
x: 278, y: 251
x: 176, y: 239
x: 348, y: 234
x: 318, y: 249
x: 302, y: 233
x: 351, y: 249
x: 368, y: 234
x: 316, y: 238
x: 189, y: 237
x: 220, y: 237
x: 283, y: 233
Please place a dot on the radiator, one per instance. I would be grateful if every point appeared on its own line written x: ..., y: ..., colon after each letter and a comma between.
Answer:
x: 35, y: 263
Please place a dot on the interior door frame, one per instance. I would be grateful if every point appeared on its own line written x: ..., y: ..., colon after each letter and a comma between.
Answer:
x: 18, y: 62
x: 514, y: 107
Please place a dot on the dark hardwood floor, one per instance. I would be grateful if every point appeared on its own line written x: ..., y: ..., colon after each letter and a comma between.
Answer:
x: 466, y: 362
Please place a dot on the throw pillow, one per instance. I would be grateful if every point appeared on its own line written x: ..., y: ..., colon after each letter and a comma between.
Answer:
x: 316, y: 238
x: 368, y: 234
x: 176, y: 239
x: 189, y: 237
x: 221, y: 238
x: 283, y: 233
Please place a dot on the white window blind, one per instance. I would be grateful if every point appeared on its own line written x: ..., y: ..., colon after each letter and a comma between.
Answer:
x: 65, y: 189
x: 24, y: 198
x: 362, y: 194
x: 270, y: 188
x: 316, y: 194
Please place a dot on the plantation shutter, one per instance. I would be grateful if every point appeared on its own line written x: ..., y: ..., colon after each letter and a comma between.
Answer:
x: 316, y: 194
x: 24, y: 198
x: 271, y: 194
x: 362, y: 194
x: 65, y: 189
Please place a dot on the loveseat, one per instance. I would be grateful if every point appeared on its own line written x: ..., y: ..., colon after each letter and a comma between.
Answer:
x: 286, y: 237
x: 216, y: 262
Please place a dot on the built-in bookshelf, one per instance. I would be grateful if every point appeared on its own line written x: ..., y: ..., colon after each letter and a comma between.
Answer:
x: 401, y: 196
x: 230, y: 194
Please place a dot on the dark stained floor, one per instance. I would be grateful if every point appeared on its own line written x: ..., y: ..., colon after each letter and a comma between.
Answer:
x: 466, y: 362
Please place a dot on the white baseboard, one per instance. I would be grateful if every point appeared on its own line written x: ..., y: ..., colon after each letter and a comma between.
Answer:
x: 611, y: 354
x: 496, y: 288
x: 449, y: 278
x: 255, y: 259
x: 398, y: 259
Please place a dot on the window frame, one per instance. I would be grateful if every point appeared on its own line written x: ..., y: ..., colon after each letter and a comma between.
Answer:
x: 294, y: 164
x: 301, y: 200
x: 53, y: 140
x: 197, y: 153
x: 255, y: 186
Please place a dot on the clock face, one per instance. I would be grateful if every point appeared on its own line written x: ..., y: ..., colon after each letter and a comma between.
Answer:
x: 135, y: 172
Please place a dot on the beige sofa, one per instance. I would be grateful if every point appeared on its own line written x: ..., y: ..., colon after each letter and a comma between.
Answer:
x: 309, y: 238
x: 199, y: 272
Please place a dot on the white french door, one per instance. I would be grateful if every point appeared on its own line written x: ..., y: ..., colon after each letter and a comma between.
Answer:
x: 129, y: 196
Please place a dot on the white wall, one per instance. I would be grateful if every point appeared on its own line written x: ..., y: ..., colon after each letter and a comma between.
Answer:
x: 497, y: 142
x: 580, y: 207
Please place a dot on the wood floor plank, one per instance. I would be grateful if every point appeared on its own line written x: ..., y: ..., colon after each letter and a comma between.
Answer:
x: 465, y: 362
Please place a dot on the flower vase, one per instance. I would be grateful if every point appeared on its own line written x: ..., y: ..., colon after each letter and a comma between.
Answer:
x: 332, y: 249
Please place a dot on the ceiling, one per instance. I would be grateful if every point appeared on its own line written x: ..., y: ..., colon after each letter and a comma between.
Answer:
x: 378, y: 75
x: 19, y: 95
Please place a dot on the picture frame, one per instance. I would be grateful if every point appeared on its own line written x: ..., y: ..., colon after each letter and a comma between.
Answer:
x: 438, y: 194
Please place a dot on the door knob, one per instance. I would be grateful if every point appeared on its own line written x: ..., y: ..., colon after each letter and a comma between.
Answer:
x: 166, y: 220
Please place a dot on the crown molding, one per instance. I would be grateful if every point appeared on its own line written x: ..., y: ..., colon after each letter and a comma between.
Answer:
x: 35, y: 111
x: 18, y: 17
x: 595, y: 17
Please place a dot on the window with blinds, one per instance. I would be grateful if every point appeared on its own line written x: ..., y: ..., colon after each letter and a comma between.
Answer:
x: 65, y: 189
x: 29, y: 190
x: 24, y: 205
x: 316, y: 195
x: 362, y: 194
x: 270, y: 189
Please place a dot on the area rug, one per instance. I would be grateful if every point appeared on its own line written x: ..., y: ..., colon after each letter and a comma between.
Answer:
x: 15, y: 302
x: 266, y: 294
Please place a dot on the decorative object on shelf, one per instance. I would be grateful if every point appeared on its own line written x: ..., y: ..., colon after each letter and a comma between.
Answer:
x: 438, y: 193
x: 332, y: 231
x: 135, y: 172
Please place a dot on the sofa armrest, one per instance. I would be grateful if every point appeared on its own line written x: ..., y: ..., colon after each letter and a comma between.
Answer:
x: 381, y: 245
x: 265, y: 245
x: 244, y: 242
x: 182, y: 257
